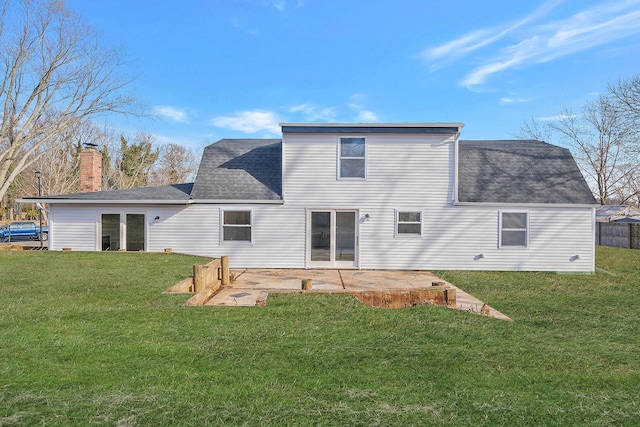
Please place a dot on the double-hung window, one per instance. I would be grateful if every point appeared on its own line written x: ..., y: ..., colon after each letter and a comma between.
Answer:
x: 514, y: 229
x: 408, y: 223
x: 351, y: 158
x: 236, y: 226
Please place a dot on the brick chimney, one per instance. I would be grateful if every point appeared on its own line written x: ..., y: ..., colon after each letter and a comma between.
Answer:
x: 90, y: 169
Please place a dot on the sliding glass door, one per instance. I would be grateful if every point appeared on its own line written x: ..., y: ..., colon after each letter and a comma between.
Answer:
x: 332, y: 239
x: 117, y: 229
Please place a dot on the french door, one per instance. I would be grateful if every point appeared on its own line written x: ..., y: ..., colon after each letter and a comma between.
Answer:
x: 332, y: 238
x: 117, y: 229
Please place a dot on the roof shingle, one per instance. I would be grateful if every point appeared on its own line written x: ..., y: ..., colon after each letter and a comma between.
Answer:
x: 240, y: 169
x: 488, y: 172
x: 517, y: 171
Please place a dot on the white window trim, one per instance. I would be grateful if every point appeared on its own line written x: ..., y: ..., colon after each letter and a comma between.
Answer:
x: 526, y: 230
x: 222, y: 225
x: 339, y: 159
x: 397, y: 222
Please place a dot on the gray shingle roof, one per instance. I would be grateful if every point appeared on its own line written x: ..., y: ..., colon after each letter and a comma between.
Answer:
x: 489, y: 171
x: 240, y: 169
x: 230, y: 169
x: 174, y: 192
x: 519, y: 172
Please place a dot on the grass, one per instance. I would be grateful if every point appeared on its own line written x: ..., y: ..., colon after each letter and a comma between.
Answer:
x: 89, y: 339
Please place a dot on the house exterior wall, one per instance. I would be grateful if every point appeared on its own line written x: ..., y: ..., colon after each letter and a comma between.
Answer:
x: 192, y: 229
x: 403, y: 172
x: 416, y: 173
x: 72, y: 227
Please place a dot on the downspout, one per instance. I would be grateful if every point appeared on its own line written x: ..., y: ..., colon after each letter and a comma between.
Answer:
x: 282, y: 166
x: 455, y: 167
x: 593, y: 233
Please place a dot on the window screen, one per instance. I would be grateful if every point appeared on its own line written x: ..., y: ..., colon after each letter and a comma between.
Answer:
x: 236, y: 226
x: 514, y: 229
x: 352, y: 158
x: 409, y: 223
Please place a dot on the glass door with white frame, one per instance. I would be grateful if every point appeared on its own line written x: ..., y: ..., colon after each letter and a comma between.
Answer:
x: 332, y: 239
x: 122, y: 232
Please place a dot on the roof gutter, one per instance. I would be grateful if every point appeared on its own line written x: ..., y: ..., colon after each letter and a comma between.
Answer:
x: 366, y: 128
x: 527, y: 205
x: 102, y: 202
x: 236, y: 202
x: 148, y: 202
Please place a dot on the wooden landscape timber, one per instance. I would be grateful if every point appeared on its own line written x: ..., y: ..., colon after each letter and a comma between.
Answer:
x: 207, y: 280
x: 210, y: 279
x: 438, y: 295
x: 5, y: 247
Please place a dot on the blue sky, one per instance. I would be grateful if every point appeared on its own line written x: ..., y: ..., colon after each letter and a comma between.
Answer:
x: 212, y: 69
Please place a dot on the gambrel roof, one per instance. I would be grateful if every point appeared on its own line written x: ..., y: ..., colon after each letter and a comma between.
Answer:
x: 519, y: 171
x: 240, y: 169
x: 250, y: 170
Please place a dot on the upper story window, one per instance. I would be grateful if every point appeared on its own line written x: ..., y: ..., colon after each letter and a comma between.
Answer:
x: 351, y: 158
x: 514, y: 229
x: 408, y: 223
x: 236, y: 226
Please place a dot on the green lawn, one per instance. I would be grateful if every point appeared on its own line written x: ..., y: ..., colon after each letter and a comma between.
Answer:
x: 89, y: 339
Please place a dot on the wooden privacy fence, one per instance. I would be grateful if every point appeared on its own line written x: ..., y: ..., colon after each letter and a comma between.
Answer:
x: 618, y: 234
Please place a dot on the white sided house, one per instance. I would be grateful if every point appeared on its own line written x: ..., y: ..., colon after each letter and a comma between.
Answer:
x: 369, y: 196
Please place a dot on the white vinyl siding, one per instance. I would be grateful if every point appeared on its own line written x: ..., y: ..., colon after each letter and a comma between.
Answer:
x: 193, y: 230
x: 404, y: 173
x: 72, y: 227
x: 453, y: 237
x: 467, y: 238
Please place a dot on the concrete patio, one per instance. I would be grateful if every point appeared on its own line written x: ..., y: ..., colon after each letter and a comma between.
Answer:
x: 251, y: 287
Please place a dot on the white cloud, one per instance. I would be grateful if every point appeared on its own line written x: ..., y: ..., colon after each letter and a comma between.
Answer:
x: 511, y: 100
x: 367, y: 116
x: 170, y: 113
x: 281, y: 5
x: 478, y: 39
x: 242, y: 26
x: 312, y: 112
x: 278, y: 4
x: 249, y: 122
x: 532, y: 43
x: 557, y: 117
x: 362, y: 115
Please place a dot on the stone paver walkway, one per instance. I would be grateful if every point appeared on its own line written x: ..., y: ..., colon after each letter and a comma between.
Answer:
x: 250, y: 287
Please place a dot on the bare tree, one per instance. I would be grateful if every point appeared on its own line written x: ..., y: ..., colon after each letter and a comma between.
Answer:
x: 59, y: 161
x: 54, y: 76
x: 61, y: 176
x: 176, y: 165
x: 603, y: 142
x: 533, y: 129
x: 627, y: 94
